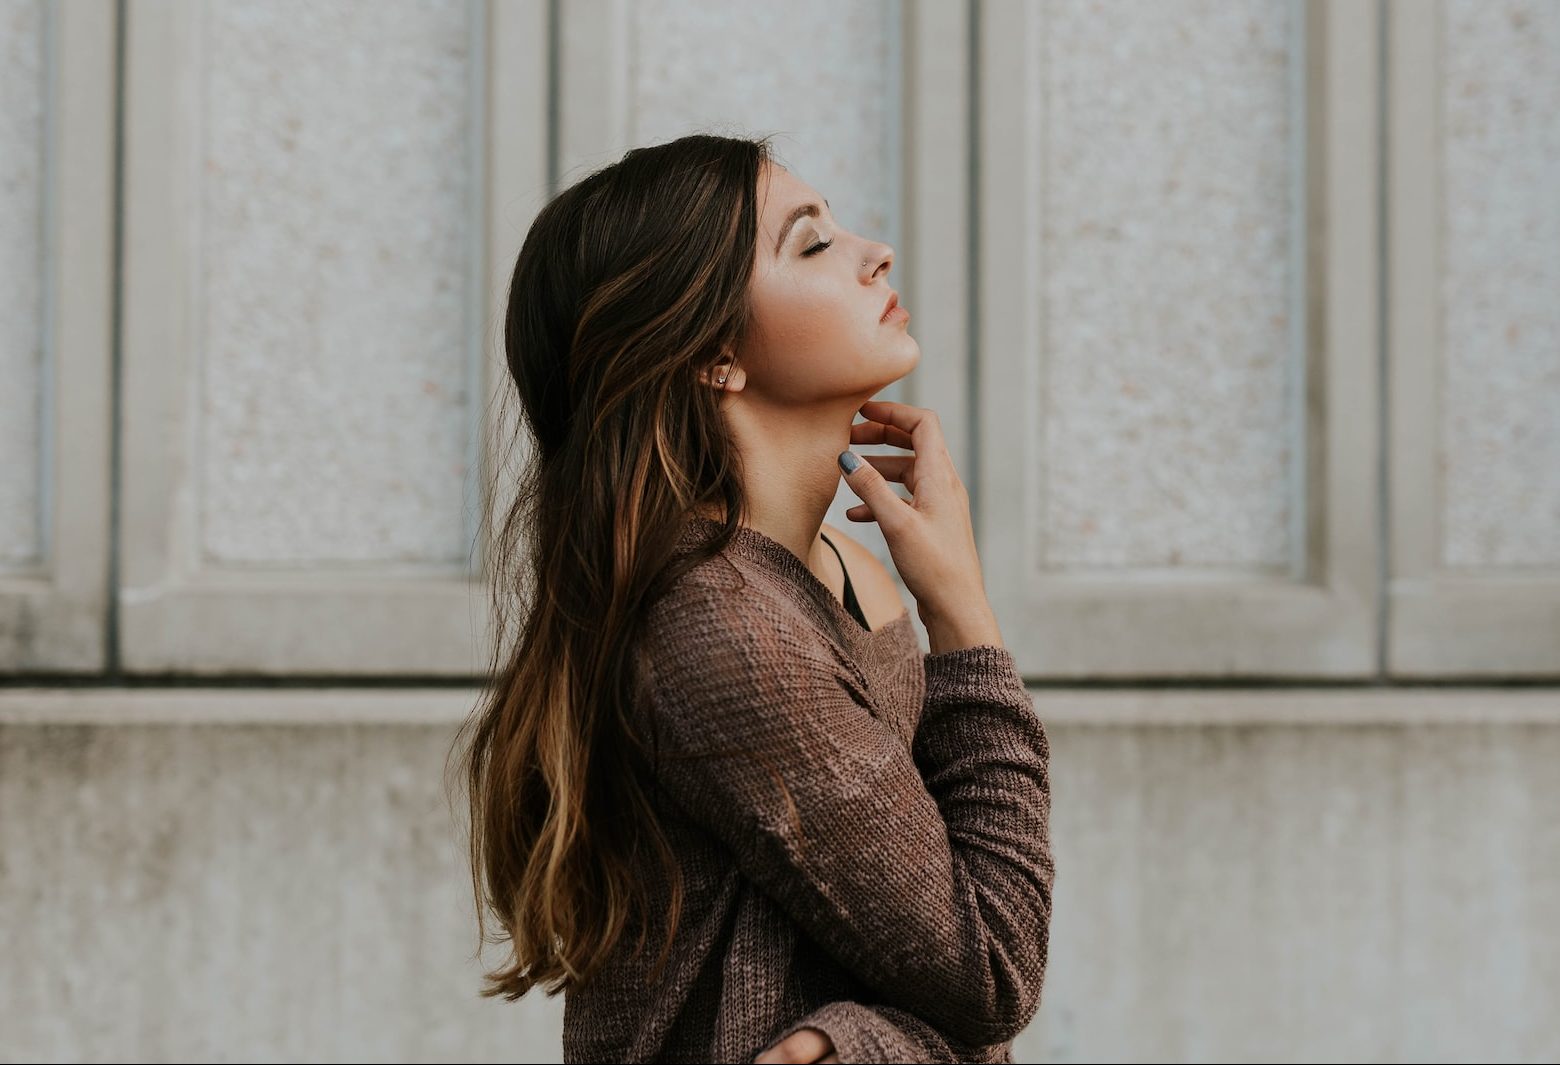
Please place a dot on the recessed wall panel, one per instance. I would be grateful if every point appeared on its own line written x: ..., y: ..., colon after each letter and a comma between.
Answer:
x: 334, y: 275
x: 1168, y: 282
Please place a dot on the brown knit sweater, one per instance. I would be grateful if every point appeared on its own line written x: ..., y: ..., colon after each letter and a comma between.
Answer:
x: 902, y: 904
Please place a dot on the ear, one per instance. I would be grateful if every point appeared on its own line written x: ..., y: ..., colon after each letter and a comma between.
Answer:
x: 726, y: 368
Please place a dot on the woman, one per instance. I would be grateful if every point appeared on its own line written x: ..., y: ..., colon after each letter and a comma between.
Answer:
x: 699, y: 740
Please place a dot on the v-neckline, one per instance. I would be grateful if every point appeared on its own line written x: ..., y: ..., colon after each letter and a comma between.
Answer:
x: 764, y: 549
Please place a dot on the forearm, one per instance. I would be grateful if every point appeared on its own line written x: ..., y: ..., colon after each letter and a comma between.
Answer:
x: 924, y: 872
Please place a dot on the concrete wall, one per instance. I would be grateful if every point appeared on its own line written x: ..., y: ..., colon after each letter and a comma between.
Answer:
x: 1241, y: 319
x: 1286, y: 892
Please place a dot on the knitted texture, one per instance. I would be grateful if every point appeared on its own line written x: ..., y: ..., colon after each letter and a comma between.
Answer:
x: 899, y: 899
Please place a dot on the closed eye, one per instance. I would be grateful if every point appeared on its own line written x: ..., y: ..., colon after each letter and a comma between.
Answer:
x: 816, y: 248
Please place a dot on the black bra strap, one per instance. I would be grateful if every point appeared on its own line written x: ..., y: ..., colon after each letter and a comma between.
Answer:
x: 850, y: 593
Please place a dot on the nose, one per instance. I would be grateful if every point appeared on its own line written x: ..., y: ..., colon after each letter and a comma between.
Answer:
x: 881, y: 259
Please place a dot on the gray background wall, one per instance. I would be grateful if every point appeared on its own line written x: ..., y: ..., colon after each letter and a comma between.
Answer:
x: 1244, y: 320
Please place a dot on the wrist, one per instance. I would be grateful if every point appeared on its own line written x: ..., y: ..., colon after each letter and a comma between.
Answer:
x: 969, y: 628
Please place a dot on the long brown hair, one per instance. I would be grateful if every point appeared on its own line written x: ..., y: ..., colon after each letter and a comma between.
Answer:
x: 628, y: 285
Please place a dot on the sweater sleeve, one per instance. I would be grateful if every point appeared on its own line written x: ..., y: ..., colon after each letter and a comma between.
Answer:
x: 863, y: 1033
x: 934, y: 892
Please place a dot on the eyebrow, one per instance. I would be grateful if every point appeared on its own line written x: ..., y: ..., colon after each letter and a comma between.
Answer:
x: 809, y: 210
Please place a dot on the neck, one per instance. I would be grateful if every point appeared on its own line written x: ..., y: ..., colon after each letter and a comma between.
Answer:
x: 790, y: 470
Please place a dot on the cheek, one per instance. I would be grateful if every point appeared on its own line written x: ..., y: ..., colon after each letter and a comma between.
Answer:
x: 812, y: 322
x: 812, y: 338
x: 797, y: 323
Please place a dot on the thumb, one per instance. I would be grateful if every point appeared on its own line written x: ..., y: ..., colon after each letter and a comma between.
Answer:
x: 870, y: 486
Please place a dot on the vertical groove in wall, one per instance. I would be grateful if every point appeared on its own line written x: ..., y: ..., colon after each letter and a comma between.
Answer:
x: 1301, y: 496
x: 1383, y: 336
x: 51, y: 132
x: 50, y: 217
x: 553, y: 14
x: 894, y: 121
x: 478, y: 31
x: 116, y: 353
x: 905, y: 74
x: 972, y: 258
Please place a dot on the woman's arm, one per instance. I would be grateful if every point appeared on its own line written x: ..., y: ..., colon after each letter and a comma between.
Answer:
x: 934, y: 892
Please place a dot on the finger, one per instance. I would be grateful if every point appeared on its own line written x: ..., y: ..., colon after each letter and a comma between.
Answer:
x: 824, y: 1050
x: 923, y: 425
x: 899, y: 468
x: 863, y: 512
x: 870, y: 487
x: 871, y: 432
x: 802, y: 1045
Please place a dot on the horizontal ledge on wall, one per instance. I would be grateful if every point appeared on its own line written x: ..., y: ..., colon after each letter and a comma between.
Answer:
x: 1056, y: 706
x: 1301, y: 706
x: 237, y: 706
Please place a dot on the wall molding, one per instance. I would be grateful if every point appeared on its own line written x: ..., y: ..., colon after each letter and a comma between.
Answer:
x: 436, y: 706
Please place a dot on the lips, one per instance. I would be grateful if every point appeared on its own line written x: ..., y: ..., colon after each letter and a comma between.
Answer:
x: 893, y: 301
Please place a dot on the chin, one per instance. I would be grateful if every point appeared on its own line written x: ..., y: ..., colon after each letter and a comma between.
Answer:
x: 898, y: 366
x: 909, y: 358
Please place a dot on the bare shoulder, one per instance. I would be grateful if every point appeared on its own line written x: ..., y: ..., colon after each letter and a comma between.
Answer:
x: 876, y: 588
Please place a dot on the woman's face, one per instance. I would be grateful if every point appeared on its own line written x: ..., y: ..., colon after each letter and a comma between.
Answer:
x: 815, y: 331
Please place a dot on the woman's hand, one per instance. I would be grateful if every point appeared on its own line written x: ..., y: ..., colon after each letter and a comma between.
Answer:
x: 930, y: 535
x: 805, y: 1045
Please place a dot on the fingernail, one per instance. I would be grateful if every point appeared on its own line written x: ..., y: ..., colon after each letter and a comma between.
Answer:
x: 848, y: 461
